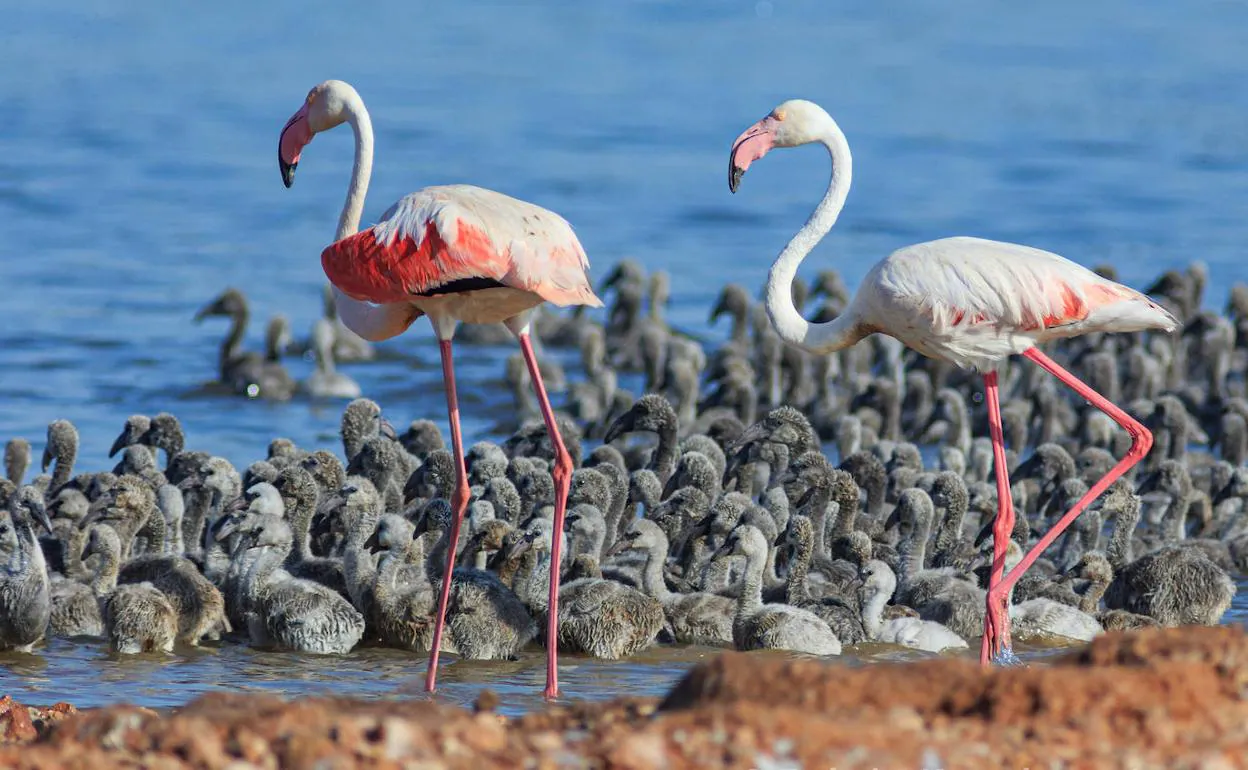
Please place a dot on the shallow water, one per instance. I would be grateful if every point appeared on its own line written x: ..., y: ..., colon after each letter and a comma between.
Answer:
x: 137, y: 179
x: 83, y: 672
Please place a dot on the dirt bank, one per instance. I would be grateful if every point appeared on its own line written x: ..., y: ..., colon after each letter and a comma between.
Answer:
x: 1162, y: 698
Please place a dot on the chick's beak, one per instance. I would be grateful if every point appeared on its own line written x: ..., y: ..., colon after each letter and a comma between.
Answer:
x: 41, y: 516
x: 387, y: 430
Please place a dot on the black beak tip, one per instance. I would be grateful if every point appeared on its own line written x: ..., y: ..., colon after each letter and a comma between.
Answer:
x: 387, y: 430
x: 616, y: 430
x: 288, y: 172
x: 741, y: 442
x: 983, y: 535
x: 521, y: 546
x: 734, y: 178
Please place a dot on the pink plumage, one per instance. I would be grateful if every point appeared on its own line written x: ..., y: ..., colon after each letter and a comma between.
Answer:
x: 974, y: 301
x: 458, y: 238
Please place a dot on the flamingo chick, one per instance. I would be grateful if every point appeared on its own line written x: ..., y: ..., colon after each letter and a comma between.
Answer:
x: 454, y: 253
x: 969, y: 301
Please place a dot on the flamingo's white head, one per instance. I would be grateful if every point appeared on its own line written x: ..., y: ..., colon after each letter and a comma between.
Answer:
x: 792, y: 124
x: 326, y: 106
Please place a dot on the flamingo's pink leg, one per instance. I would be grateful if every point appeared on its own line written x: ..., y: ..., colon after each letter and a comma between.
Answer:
x: 563, y: 478
x: 459, y: 504
x: 1141, y: 442
x: 996, y: 616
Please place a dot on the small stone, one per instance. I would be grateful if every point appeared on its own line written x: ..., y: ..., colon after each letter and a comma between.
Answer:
x: 55, y: 713
x: 902, y: 718
x: 782, y: 746
x: 1217, y: 762
x: 397, y: 737
x: 15, y: 723
x: 640, y: 751
x: 545, y: 741
x: 486, y: 735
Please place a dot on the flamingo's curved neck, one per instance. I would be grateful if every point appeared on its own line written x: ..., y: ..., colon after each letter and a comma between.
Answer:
x: 788, y: 321
x: 361, y: 171
x: 372, y: 322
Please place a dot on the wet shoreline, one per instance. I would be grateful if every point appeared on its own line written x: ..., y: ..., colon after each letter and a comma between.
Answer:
x: 164, y: 682
x: 1163, y: 697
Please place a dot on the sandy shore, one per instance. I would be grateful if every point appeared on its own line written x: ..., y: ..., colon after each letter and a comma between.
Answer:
x: 1171, y: 698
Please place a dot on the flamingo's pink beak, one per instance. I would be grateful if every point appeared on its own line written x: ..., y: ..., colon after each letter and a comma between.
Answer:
x: 295, y: 136
x: 749, y: 147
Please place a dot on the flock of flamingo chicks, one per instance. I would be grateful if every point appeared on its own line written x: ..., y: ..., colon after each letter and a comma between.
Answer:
x: 731, y: 526
x: 709, y: 514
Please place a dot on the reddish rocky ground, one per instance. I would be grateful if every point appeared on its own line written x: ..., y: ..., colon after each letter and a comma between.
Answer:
x: 1170, y: 698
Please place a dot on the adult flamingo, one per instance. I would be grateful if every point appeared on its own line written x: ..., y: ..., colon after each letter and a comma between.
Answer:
x: 970, y: 301
x: 454, y: 253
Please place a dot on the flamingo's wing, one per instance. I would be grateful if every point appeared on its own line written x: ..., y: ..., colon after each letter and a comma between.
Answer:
x: 960, y: 283
x: 460, y: 238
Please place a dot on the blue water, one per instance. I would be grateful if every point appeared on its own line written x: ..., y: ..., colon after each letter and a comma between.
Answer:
x: 138, y: 178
